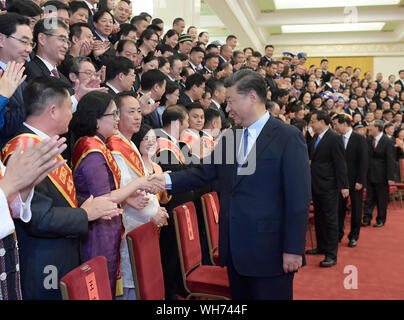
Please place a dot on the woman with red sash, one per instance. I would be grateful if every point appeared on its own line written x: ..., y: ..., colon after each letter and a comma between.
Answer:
x: 96, y: 173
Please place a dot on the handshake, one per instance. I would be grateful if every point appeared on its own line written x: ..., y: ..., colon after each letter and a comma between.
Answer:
x: 153, y: 184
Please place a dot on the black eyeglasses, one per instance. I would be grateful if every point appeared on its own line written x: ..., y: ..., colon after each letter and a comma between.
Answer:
x: 60, y: 38
x: 116, y: 114
x: 24, y: 42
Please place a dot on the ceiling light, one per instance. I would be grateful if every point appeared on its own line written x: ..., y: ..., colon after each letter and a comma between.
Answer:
x: 335, y: 27
x: 298, y: 4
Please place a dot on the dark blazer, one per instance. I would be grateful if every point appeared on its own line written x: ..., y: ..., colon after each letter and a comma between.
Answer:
x: 36, y: 68
x: 110, y: 91
x: 214, y: 107
x: 328, y: 167
x: 264, y: 214
x: 205, y: 71
x: 357, y: 159
x: 381, y: 161
x: 184, y: 99
x: 153, y: 120
x: 51, y: 238
x: 14, y: 115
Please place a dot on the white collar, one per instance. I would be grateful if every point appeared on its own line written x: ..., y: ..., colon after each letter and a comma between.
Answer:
x: 379, y: 136
x: 89, y: 5
x: 210, y: 71
x: 102, y: 38
x: 36, y: 131
x: 47, y: 64
x: 322, y: 134
x: 193, y: 66
x: 216, y: 104
x: 112, y: 87
x: 348, y: 134
x: 225, y: 60
x: 170, y: 136
x: 169, y: 77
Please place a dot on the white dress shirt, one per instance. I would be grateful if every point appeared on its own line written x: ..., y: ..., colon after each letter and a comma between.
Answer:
x: 346, y: 137
x: 378, y: 137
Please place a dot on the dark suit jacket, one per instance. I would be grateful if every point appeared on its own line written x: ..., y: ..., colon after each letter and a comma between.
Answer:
x: 184, y: 100
x: 14, y: 115
x: 262, y: 215
x: 36, y: 68
x: 357, y: 158
x: 222, y: 113
x: 328, y: 167
x: 51, y: 238
x: 381, y: 161
x: 110, y: 91
x: 153, y: 120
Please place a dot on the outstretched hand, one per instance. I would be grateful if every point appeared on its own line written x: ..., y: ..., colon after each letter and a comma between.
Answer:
x: 11, y: 78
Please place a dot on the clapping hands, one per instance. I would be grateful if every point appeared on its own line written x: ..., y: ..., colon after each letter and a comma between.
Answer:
x: 11, y: 78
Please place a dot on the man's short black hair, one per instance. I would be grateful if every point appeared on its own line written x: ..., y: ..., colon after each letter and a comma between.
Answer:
x: 10, y: 21
x: 173, y: 113
x: 118, y: 98
x: 210, y: 115
x: 176, y: 20
x: 197, y: 49
x: 343, y: 119
x: 25, y: 8
x: 151, y: 78
x: 58, y: 5
x: 269, y: 46
x: 117, y: 65
x: 214, y: 84
x: 157, y: 21
x: 76, y: 29
x: 42, y: 91
x: 163, y: 48
x: 125, y: 29
x: 171, y: 60
x: 211, y: 56
x: 322, y: 115
x: 194, y: 80
x: 212, y: 45
x: 121, y: 45
x: 232, y: 36
x: 76, y: 5
x: 43, y: 27
x: 137, y: 19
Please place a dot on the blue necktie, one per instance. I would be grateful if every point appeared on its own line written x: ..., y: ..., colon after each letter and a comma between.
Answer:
x: 317, y: 142
x: 245, y: 142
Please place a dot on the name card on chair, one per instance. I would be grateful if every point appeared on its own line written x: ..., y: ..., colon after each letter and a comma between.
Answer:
x: 189, y: 224
x: 213, y: 204
x: 92, y: 287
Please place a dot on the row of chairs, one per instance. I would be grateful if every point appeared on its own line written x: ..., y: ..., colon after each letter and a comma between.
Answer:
x: 90, y: 280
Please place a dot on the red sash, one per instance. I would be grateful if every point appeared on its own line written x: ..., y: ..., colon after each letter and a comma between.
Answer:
x: 188, y: 138
x: 85, y: 146
x: 166, y: 144
x: 62, y: 177
x: 208, y: 143
x: 118, y: 145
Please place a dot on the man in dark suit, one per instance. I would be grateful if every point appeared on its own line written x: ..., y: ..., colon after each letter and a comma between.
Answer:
x: 218, y: 96
x: 380, y: 174
x: 401, y: 80
x: 120, y: 75
x: 170, y: 157
x: 194, y: 89
x: 15, y: 45
x: 50, y: 243
x: 329, y: 179
x: 52, y: 46
x: 153, y: 82
x: 264, y: 195
x: 356, y: 155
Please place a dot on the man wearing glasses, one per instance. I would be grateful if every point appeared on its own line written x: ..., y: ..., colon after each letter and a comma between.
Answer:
x: 15, y: 45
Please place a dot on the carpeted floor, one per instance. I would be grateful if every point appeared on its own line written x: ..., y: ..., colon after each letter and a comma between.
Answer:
x: 378, y: 258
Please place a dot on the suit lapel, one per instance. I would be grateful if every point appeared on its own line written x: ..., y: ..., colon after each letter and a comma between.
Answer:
x: 267, y: 135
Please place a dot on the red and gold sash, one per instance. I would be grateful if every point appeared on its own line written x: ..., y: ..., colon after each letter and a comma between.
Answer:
x: 189, y: 139
x: 166, y: 144
x: 118, y: 145
x: 62, y: 177
x: 208, y: 143
x: 87, y: 145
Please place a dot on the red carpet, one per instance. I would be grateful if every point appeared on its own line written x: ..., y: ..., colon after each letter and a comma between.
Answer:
x: 379, y: 259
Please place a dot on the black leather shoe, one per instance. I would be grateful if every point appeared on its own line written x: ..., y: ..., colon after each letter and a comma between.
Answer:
x: 328, y: 262
x: 314, y: 251
x: 378, y: 224
x: 365, y: 223
x: 352, y: 243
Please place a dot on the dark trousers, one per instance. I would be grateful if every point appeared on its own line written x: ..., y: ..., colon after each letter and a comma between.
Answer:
x: 376, y: 194
x: 259, y: 288
x: 356, y: 213
x: 326, y: 222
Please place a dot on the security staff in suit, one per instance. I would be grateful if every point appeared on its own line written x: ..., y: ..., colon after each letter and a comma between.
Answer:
x: 264, y: 194
x: 380, y: 174
x: 356, y: 155
x: 329, y: 179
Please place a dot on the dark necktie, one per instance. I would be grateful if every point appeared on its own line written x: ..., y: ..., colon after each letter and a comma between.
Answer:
x: 55, y: 73
x: 245, y: 143
x: 316, y: 144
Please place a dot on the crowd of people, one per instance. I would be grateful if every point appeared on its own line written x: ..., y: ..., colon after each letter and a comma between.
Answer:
x: 118, y: 100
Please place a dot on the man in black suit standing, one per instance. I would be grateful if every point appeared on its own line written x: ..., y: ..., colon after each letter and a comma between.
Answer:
x: 120, y: 75
x: 380, y: 174
x: 356, y: 155
x: 329, y: 179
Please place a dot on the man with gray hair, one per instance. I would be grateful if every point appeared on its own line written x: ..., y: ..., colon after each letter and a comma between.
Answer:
x: 380, y: 174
